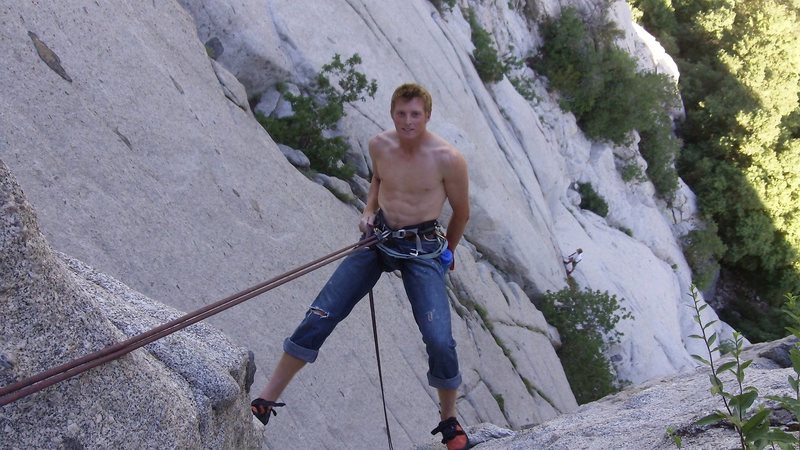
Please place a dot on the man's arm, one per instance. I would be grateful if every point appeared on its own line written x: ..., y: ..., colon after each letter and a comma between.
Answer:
x: 456, y: 186
x: 368, y: 216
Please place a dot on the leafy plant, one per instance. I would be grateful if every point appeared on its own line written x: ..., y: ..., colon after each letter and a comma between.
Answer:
x: 751, y: 424
x: 501, y: 402
x: 587, y: 323
x: 487, y: 62
x: 792, y: 404
x: 591, y: 200
x: 625, y: 230
x: 491, y: 68
x: 673, y: 435
x: 632, y: 172
x: 318, y: 113
x: 523, y: 84
x: 703, y: 249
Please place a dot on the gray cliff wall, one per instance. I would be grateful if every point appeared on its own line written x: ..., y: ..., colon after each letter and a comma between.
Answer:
x: 525, y: 156
x: 143, y: 159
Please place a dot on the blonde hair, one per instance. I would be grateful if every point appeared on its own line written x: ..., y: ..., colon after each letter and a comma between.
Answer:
x: 411, y: 91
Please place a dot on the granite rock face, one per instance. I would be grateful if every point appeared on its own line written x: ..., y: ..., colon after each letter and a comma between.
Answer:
x: 147, y: 168
x: 638, y: 418
x: 187, y: 390
x: 642, y: 416
x: 240, y: 34
x: 148, y: 165
x: 525, y: 156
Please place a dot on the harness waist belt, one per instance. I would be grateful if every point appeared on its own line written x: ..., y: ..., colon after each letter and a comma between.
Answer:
x: 409, y: 233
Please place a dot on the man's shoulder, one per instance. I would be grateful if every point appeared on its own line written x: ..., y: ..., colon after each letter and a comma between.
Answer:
x: 387, y: 135
x: 444, y: 150
x: 383, y: 140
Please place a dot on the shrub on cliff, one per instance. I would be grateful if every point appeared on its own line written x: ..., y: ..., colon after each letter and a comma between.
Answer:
x: 586, y: 321
x: 703, y: 248
x: 599, y: 83
x: 591, y: 200
x: 485, y: 57
x: 318, y: 113
x: 442, y: 5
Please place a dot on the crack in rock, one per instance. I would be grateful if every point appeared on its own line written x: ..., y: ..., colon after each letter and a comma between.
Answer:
x: 49, y: 56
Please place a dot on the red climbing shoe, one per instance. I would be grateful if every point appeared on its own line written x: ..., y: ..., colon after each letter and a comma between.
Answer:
x: 262, y: 408
x: 452, y: 434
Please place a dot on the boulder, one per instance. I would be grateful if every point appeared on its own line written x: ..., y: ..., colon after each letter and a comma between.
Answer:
x: 296, y: 157
x: 653, y: 415
x: 189, y: 389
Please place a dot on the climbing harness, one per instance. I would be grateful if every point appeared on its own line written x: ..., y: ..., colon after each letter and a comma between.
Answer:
x: 36, y: 383
x: 416, y: 232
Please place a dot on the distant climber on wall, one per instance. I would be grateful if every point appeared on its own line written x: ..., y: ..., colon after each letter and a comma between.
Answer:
x: 414, y: 172
x: 572, y: 260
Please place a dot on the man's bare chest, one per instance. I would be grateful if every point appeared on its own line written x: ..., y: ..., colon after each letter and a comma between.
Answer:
x: 411, y: 178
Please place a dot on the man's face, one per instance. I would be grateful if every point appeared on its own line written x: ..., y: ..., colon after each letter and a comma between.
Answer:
x: 410, y: 119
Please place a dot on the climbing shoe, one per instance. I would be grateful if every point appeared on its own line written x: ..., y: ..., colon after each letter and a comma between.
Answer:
x: 452, y: 434
x: 262, y: 408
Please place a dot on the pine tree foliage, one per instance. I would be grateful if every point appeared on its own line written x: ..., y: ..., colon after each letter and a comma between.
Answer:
x: 740, y: 81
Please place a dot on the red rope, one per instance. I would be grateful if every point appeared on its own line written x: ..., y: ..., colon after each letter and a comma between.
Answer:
x: 36, y: 383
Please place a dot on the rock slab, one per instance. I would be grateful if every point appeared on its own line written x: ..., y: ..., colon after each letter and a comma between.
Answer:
x: 187, y: 390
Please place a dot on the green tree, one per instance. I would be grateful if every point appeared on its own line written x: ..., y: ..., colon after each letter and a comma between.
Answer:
x: 740, y: 81
x: 586, y: 321
x: 703, y: 249
x: 659, y: 16
x: 660, y: 148
x: 319, y: 112
x: 741, y: 128
x: 591, y: 200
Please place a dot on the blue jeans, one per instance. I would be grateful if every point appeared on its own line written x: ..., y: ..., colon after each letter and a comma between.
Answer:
x: 423, y: 280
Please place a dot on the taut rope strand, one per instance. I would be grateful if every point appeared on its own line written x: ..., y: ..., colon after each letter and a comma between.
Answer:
x: 36, y: 383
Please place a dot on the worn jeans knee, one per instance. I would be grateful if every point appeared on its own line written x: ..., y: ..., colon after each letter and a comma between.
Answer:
x: 351, y: 281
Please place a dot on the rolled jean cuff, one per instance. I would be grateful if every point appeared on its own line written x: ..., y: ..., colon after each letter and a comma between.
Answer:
x: 301, y: 353
x: 442, y: 383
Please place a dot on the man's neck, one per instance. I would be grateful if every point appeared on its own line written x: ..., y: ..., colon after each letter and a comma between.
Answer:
x: 411, y: 146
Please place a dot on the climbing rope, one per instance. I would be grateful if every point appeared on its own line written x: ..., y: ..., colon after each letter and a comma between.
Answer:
x: 380, y: 371
x: 36, y: 383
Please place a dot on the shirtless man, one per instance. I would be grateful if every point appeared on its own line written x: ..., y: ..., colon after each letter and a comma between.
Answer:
x: 414, y: 172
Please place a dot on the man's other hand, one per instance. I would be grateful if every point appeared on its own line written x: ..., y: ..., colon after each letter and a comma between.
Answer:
x: 367, y: 223
x: 447, y: 259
